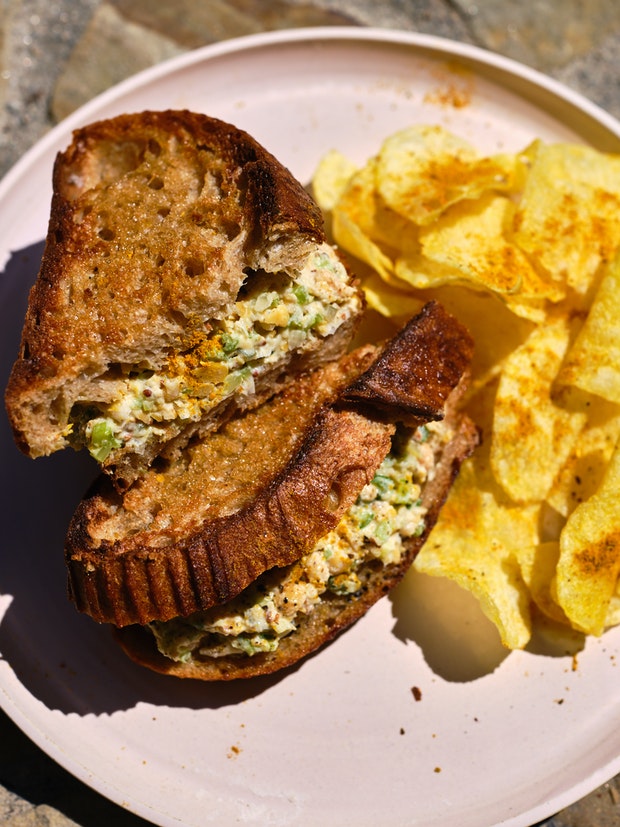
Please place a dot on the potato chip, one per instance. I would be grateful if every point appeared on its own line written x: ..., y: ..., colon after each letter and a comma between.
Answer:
x: 475, y: 543
x: 525, y: 250
x: 331, y: 178
x: 538, y: 564
x: 467, y: 244
x: 532, y: 434
x: 425, y: 169
x: 350, y: 237
x: 612, y: 618
x: 568, y: 218
x: 583, y: 469
x: 422, y: 273
x: 389, y: 301
x: 535, y: 310
x: 593, y: 362
x: 589, y: 562
x: 363, y: 204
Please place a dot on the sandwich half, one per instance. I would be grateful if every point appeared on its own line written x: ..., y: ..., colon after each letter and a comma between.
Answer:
x: 256, y: 545
x: 185, y: 278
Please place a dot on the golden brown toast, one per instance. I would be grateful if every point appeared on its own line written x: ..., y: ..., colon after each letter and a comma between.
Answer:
x: 259, y: 493
x: 185, y: 277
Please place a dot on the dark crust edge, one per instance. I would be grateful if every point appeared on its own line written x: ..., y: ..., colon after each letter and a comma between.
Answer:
x: 419, y: 368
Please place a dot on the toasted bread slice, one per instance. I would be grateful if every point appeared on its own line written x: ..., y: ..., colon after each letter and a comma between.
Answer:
x: 259, y: 493
x: 333, y: 612
x: 185, y: 277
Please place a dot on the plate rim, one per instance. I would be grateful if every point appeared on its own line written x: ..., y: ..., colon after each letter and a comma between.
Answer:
x: 370, y: 34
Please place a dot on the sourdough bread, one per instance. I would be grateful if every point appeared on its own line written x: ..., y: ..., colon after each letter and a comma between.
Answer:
x: 185, y: 277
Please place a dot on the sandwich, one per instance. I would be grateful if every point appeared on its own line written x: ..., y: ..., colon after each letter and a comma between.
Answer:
x: 185, y: 278
x: 259, y: 542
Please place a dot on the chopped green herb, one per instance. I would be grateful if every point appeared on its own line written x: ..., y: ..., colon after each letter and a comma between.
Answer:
x: 347, y: 583
x: 382, y: 483
x: 301, y: 293
x: 102, y: 441
x: 383, y: 531
x: 299, y: 322
x: 234, y: 380
x: 229, y: 343
x: 366, y: 518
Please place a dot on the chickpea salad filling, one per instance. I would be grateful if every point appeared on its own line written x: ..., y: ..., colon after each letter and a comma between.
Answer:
x: 278, y: 314
x: 387, y: 512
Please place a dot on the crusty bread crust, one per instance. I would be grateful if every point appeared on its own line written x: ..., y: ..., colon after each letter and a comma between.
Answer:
x: 156, y: 220
x: 418, y: 369
x: 195, y: 533
x: 335, y: 612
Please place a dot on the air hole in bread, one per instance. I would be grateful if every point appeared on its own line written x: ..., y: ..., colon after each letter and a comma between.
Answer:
x: 160, y: 464
x: 163, y: 212
x: 156, y: 183
x: 153, y: 147
x: 231, y: 228
x: 106, y: 234
x: 194, y: 267
x: 160, y: 261
x: 120, y: 484
x: 249, y: 273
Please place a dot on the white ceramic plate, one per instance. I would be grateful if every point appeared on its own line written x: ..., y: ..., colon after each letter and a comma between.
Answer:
x: 495, y: 738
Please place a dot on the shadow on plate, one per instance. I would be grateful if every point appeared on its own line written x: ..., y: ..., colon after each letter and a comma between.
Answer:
x: 457, y: 640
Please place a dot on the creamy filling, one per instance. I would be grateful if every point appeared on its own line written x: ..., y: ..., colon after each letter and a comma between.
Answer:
x: 387, y: 513
x: 280, y: 314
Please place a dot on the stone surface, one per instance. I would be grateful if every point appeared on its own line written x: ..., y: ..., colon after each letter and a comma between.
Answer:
x: 38, y: 38
x: 600, y: 809
x: 547, y: 34
x: 17, y: 812
x: 437, y: 17
x: 194, y: 24
x: 595, y: 74
x: 110, y: 50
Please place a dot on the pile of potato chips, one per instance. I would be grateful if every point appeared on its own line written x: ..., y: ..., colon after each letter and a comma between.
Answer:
x: 524, y: 248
